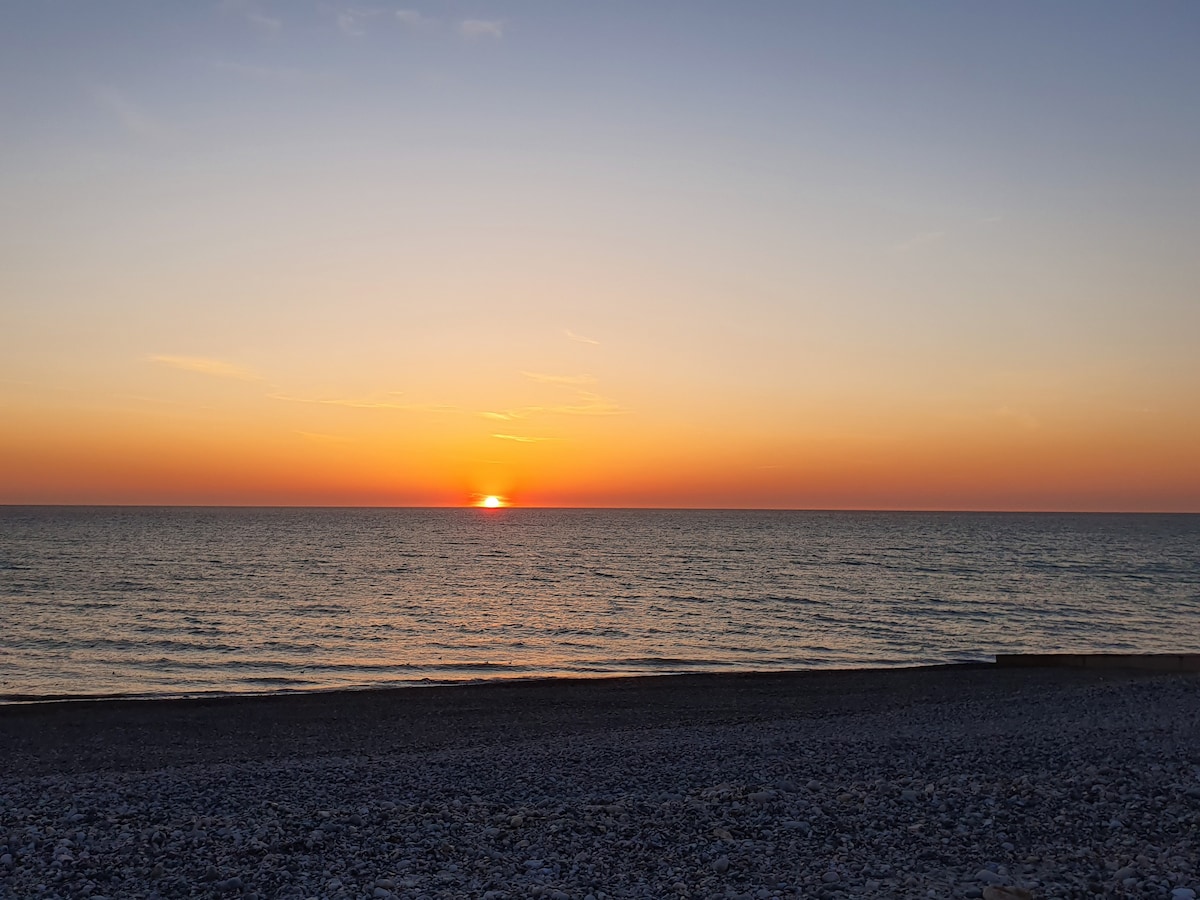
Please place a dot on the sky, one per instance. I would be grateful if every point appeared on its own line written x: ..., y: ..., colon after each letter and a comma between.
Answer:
x: 934, y: 255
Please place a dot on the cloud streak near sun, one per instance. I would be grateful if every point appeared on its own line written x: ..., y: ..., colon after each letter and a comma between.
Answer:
x: 366, y: 402
x: 205, y: 366
x: 542, y: 378
x: 521, y: 439
x: 588, y: 405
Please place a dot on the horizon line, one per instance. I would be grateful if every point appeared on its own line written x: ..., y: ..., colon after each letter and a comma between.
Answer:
x: 502, y: 509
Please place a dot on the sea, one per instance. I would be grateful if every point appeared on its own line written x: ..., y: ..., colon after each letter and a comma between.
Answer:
x: 168, y: 602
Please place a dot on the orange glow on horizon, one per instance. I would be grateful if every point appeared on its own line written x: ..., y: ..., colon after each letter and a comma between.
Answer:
x: 243, y: 447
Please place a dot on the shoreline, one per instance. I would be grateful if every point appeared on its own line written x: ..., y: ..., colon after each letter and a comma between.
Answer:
x: 1180, y: 661
x: 34, y: 700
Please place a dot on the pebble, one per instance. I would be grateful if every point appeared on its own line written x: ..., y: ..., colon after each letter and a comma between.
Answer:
x: 1007, y: 892
x: 915, y: 802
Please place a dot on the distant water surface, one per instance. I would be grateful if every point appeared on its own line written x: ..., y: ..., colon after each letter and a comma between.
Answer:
x: 179, y: 601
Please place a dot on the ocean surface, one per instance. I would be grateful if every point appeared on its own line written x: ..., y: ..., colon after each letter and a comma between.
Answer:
x: 180, y: 601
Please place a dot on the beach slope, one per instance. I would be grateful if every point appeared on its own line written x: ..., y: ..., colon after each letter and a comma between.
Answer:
x: 935, y: 782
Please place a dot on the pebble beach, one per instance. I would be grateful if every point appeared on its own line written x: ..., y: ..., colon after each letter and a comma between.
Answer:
x: 955, y: 781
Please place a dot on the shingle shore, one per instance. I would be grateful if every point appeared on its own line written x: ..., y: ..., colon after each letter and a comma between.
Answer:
x: 903, y: 783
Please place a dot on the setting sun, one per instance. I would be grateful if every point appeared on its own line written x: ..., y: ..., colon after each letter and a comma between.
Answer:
x: 492, y: 502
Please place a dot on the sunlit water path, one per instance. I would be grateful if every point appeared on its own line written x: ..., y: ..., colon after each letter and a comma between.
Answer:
x: 176, y: 601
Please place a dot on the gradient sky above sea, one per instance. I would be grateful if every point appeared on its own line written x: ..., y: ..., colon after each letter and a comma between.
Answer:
x: 768, y: 254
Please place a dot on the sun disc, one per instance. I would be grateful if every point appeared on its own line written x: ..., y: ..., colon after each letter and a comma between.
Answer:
x: 491, y: 502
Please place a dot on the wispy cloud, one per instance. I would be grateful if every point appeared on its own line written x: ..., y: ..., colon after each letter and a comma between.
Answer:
x: 587, y: 405
x: 559, y: 379
x: 270, y: 74
x: 918, y: 242
x: 253, y: 13
x: 579, y: 338
x: 133, y: 118
x: 476, y: 29
x: 388, y: 400
x: 205, y: 366
x: 265, y: 22
x: 413, y: 19
x: 350, y: 24
x: 520, y: 438
x: 352, y: 20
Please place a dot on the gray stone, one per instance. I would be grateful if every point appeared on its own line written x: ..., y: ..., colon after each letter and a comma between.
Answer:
x: 639, y: 808
x: 1006, y: 892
